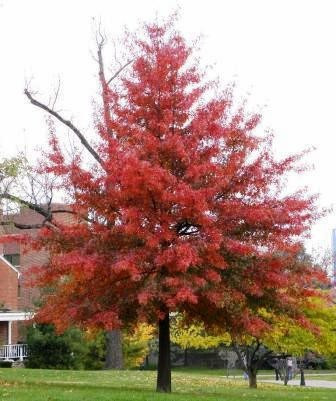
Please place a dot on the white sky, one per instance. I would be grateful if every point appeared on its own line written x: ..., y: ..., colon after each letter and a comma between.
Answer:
x: 281, y: 52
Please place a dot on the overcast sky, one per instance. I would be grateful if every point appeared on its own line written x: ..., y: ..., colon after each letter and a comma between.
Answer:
x: 280, y: 52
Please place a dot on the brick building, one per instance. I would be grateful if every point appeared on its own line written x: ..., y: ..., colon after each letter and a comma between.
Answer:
x: 9, y: 302
x: 17, y: 298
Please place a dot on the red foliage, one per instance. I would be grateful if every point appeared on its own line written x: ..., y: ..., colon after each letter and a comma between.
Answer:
x: 186, y: 213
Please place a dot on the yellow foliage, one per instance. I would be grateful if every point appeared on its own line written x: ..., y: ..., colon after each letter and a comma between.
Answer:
x: 136, y: 345
x: 285, y: 334
x: 195, y: 336
x: 288, y: 336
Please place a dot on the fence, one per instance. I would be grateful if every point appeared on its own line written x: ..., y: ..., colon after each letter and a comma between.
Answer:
x: 15, y: 351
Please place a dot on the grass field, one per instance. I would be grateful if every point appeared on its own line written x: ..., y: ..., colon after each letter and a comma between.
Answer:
x: 53, y: 385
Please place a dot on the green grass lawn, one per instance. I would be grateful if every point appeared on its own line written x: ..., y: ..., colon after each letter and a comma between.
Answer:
x: 53, y: 385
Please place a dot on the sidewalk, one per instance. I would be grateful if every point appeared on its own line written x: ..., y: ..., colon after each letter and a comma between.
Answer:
x: 307, y: 373
x: 309, y: 383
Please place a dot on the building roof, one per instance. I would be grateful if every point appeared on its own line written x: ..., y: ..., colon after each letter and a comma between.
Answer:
x: 15, y: 315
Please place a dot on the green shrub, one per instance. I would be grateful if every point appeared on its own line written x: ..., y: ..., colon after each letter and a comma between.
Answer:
x: 5, y: 364
x: 330, y: 362
x: 70, y: 350
x: 94, y: 358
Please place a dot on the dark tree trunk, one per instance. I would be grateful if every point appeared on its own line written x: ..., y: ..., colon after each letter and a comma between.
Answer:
x: 186, y: 357
x: 302, y: 377
x: 163, y: 384
x: 252, y: 375
x: 114, y: 356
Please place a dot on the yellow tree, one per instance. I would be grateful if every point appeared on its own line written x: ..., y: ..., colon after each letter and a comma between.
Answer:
x: 318, y: 336
x: 136, y: 344
x: 194, y: 335
x: 283, y: 335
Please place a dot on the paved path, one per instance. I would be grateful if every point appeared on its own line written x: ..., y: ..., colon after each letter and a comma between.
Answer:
x: 307, y: 373
x: 309, y: 383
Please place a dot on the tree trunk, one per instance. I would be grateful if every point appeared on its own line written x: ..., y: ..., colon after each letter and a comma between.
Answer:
x: 114, y: 356
x: 163, y: 384
x: 252, y: 375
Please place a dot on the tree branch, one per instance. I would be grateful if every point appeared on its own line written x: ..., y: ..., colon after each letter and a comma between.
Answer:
x: 256, y: 349
x: 23, y: 226
x: 104, y: 85
x: 67, y: 123
x: 40, y: 210
x: 46, y: 213
x: 114, y: 76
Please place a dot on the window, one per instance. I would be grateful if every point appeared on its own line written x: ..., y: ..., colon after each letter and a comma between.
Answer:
x: 13, y: 258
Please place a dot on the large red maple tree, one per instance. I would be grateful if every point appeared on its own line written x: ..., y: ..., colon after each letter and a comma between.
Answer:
x: 183, y: 211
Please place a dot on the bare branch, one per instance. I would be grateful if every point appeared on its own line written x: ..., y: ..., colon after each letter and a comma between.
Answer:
x: 40, y: 210
x: 23, y: 226
x: 67, y: 123
x: 44, y: 212
x: 56, y: 94
x: 100, y: 45
x: 104, y: 86
x: 114, y: 76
